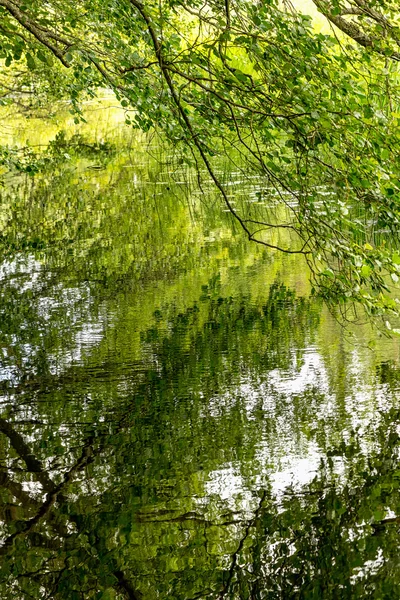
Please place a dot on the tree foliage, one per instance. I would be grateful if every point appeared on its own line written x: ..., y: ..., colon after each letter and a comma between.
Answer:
x: 315, y: 115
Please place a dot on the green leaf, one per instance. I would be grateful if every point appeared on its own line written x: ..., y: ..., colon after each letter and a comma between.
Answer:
x: 368, y: 112
x: 30, y: 62
x: 365, y: 270
x: 328, y: 273
x: 41, y: 56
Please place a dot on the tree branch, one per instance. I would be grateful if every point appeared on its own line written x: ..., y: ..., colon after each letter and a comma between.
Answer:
x: 353, y: 31
x: 41, y: 35
x: 194, y: 136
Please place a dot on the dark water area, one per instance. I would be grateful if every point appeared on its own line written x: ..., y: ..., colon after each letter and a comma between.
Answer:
x: 178, y: 417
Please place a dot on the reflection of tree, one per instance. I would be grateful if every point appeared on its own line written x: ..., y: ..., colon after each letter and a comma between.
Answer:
x: 100, y: 496
x: 332, y: 538
x: 52, y: 551
x: 329, y: 539
x: 87, y: 526
x: 105, y: 459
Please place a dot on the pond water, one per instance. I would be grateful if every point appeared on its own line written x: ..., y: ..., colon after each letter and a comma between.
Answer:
x: 179, y: 418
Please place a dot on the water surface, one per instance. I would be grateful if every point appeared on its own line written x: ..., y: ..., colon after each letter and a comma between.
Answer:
x: 179, y: 418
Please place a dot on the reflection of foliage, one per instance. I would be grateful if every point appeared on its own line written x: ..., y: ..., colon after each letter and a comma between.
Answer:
x: 78, y: 145
x: 337, y: 537
x: 258, y: 337
x: 92, y: 530
x: 24, y: 160
x: 105, y: 458
x: 59, y: 150
x: 103, y: 462
x: 69, y: 539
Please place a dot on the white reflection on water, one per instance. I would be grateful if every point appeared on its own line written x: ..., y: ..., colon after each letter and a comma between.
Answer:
x: 291, y: 457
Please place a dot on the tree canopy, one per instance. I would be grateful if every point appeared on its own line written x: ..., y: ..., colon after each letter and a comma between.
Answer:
x: 314, y: 115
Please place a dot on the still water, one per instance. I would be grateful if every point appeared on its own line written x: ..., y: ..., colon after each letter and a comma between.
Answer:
x: 179, y: 418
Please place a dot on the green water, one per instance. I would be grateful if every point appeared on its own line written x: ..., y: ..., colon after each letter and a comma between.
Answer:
x: 179, y: 419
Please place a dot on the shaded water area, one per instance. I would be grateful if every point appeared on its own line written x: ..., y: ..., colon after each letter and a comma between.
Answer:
x: 179, y: 418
